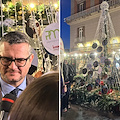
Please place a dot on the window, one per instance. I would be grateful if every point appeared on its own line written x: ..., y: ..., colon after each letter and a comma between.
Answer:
x: 92, y: 3
x: 81, y: 32
x: 81, y: 6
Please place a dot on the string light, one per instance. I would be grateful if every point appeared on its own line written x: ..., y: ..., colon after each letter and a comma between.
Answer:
x: 32, y: 5
x: 113, y: 52
x: 95, y: 54
x: 76, y: 55
x: 56, y: 5
x: 65, y: 54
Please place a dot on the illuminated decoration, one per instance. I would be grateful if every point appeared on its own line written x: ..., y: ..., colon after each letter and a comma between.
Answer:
x: 117, y: 65
x: 94, y: 45
x: 99, y: 49
x: 101, y: 68
x: 80, y: 54
x: 105, y: 21
x: 56, y: 5
x: 76, y: 55
x: 115, y: 40
x: 113, y: 52
x: 88, y: 45
x: 32, y: 5
x: 17, y: 13
x: 92, y: 56
x: 65, y: 54
x: 95, y: 64
x: 104, y: 42
x: 95, y: 54
x: 117, y: 56
x: 80, y: 45
x: 84, y: 70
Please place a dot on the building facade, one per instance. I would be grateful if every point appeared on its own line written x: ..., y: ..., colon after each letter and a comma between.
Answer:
x: 84, y: 20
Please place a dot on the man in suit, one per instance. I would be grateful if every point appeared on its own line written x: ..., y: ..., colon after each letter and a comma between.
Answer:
x: 15, y: 60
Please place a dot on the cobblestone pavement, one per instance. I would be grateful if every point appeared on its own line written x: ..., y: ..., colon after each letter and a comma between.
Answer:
x: 78, y: 113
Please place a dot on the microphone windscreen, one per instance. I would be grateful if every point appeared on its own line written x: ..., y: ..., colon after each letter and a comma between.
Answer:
x: 7, y: 102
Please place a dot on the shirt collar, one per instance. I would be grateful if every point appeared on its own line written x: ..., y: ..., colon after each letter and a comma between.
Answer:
x: 7, y: 88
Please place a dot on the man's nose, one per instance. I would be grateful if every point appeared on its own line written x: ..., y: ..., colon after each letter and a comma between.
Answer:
x: 12, y: 65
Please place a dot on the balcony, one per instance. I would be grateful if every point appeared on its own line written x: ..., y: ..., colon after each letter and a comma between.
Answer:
x: 87, y: 12
x: 79, y: 40
x: 110, y: 48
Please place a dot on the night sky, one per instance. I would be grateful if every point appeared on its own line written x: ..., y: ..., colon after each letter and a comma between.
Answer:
x: 65, y: 10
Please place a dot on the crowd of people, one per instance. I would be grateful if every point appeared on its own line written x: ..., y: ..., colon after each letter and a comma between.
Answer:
x: 67, y: 75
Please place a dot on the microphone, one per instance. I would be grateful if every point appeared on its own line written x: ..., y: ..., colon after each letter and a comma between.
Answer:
x: 7, y: 102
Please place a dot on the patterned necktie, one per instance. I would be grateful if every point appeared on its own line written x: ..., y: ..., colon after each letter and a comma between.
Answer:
x: 15, y: 91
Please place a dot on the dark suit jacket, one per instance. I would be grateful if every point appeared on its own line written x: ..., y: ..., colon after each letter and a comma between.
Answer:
x: 29, y: 79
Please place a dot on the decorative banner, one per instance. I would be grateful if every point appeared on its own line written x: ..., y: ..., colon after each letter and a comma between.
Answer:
x: 50, y: 38
x: 61, y: 51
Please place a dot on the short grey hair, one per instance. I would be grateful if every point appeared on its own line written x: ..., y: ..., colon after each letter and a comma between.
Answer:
x: 16, y: 37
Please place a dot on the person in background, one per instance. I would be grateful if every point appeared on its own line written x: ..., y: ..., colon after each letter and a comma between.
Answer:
x: 28, y: 29
x: 39, y: 101
x: 68, y: 74
x: 15, y: 60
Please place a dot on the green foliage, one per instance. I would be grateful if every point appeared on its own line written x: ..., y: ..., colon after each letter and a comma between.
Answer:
x: 27, y: 13
x: 78, y: 76
x: 18, y: 6
x: 100, y: 102
x: 41, y: 8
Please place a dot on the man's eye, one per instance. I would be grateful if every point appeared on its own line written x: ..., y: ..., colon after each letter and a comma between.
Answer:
x: 20, y: 60
x: 6, y: 59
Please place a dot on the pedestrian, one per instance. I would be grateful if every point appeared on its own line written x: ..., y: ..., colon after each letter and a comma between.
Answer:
x: 39, y: 101
x: 15, y: 60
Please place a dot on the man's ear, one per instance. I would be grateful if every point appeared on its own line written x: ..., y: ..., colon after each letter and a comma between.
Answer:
x: 31, y: 57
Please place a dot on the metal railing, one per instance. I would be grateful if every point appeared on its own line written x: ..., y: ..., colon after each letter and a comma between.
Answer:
x: 111, y: 47
x: 79, y: 40
x: 90, y: 10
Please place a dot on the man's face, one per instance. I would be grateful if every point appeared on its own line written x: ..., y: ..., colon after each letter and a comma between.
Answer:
x: 12, y: 74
